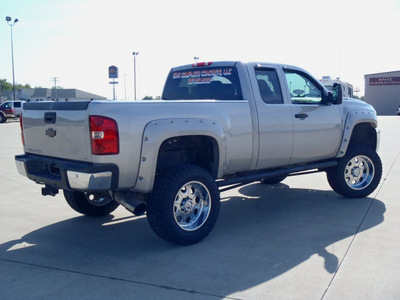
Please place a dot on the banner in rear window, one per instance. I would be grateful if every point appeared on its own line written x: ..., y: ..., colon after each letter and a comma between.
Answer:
x: 203, y: 83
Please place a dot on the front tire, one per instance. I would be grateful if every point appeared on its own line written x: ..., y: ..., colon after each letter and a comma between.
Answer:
x: 2, y: 118
x: 357, y: 174
x: 184, y: 205
x: 90, y: 204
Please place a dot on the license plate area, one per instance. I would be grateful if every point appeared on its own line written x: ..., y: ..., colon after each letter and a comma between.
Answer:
x: 43, y: 169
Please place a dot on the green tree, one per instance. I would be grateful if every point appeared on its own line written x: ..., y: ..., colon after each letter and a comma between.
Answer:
x: 7, y: 86
x: 22, y: 86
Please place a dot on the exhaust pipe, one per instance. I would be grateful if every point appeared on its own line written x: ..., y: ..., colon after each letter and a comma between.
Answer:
x: 131, y: 202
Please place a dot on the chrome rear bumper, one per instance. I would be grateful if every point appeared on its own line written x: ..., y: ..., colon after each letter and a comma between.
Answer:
x: 67, y: 174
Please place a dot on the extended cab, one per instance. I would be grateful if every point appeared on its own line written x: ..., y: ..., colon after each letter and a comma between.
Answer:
x: 219, y: 125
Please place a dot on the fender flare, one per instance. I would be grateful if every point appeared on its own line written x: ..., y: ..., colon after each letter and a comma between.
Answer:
x: 157, y: 131
x: 352, y: 119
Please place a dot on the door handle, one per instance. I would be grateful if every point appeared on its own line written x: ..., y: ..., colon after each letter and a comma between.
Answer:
x: 301, y: 116
x: 50, y: 117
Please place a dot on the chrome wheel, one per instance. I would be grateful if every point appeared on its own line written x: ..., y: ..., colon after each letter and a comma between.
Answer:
x: 192, y: 206
x: 184, y: 204
x: 359, y: 172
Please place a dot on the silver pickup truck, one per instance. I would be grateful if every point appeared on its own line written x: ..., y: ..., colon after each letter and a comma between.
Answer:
x: 219, y: 125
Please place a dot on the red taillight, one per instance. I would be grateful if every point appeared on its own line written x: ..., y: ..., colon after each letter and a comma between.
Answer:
x: 202, y: 64
x: 104, y: 135
x: 22, y: 131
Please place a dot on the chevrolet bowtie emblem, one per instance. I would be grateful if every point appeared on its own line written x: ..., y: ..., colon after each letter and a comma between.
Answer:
x: 51, y: 132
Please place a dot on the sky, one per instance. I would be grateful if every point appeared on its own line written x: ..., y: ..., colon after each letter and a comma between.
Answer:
x: 78, y: 40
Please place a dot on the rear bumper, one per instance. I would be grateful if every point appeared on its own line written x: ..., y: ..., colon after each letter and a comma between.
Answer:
x: 68, y: 174
x: 10, y: 115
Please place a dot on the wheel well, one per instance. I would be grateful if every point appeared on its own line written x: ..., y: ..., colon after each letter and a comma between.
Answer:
x: 201, y: 151
x: 364, y: 133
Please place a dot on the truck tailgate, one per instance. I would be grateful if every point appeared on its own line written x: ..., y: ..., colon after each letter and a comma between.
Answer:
x: 57, y: 129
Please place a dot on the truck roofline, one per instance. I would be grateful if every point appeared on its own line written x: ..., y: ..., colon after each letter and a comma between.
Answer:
x: 209, y: 64
x: 235, y: 63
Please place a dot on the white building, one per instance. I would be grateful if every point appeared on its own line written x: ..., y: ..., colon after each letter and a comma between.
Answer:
x: 43, y: 94
x: 382, y: 91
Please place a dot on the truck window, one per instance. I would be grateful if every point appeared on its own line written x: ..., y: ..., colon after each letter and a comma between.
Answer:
x: 217, y: 83
x: 17, y: 104
x: 268, y: 85
x: 302, y: 89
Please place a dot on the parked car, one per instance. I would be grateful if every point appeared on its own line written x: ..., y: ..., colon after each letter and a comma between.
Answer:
x: 10, y: 109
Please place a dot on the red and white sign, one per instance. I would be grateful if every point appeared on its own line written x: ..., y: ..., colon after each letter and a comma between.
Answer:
x: 384, y: 81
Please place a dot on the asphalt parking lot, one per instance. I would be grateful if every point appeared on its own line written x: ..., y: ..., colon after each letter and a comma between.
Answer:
x: 295, y: 240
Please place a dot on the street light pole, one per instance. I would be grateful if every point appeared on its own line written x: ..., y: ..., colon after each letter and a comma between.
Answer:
x: 125, y: 85
x: 134, y: 72
x: 8, y: 19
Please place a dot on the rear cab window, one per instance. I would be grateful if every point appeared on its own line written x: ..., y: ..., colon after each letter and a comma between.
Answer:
x: 211, y: 82
x: 268, y: 85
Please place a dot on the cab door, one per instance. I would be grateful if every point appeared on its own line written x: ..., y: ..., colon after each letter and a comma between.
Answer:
x: 316, y: 125
x: 275, y: 135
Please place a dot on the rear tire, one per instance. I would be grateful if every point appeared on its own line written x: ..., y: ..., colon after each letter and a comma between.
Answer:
x: 184, y: 205
x: 90, y: 204
x: 357, y: 174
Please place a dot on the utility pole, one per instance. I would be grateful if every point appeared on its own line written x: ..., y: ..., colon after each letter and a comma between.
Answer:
x: 55, y: 86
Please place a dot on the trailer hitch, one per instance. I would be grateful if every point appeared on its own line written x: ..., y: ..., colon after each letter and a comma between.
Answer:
x: 49, y: 191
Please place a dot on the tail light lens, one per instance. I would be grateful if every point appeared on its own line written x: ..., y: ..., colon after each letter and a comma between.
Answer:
x: 104, y: 135
x: 22, y: 131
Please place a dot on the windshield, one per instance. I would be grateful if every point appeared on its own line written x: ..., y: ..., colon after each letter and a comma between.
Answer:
x: 6, y: 105
x: 218, y: 83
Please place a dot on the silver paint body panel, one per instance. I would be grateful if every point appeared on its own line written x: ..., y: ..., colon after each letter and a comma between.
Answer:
x: 250, y: 134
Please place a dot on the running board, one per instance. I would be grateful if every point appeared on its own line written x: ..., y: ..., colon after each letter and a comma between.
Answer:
x: 251, y: 177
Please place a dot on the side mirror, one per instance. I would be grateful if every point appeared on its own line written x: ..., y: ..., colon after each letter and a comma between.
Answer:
x: 337, y: 93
